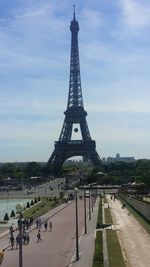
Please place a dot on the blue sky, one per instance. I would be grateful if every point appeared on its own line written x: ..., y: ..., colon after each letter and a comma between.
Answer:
x: 114, y: 45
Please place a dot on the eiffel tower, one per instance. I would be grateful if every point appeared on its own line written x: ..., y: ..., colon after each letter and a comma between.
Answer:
x: 65, y: 147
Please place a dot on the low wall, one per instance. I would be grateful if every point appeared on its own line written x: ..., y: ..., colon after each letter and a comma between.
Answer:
x: 142, y: 208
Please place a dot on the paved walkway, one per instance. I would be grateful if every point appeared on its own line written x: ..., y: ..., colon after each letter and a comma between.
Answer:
x: 135, y: 241
x: 87, y: 242
x: 58, y: 247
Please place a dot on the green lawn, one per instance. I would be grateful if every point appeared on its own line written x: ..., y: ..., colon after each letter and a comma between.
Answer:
x: 114, y: 250
x: 108, y: 217
x: 98, y: 253
x: 41, y: 208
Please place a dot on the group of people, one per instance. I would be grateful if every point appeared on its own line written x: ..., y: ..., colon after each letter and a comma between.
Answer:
x: 46, y: 225
x: 26, y: 223
x: 25, y: 239
x: 25, y: 235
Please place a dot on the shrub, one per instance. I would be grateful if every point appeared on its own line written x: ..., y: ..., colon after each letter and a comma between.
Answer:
x: 35, y: 200
x: 28, y: 205
x: 12, y: 214
x: 6, y: 217
x: 32, y: 203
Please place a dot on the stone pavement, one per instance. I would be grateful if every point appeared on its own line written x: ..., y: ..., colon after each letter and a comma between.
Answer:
x: 87, y: 242
x: 58, y: 247
x: 4, y: 236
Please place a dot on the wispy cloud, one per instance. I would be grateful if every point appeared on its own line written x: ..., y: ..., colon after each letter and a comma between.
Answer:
x: 34, y: 73
x: 135, y: 14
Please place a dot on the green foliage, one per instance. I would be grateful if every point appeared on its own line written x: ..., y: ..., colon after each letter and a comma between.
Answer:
x: 114, y: 250
x: 35, y: 200
x: 33, y: 169
x: 40, y: 209
x: 6, y: 217
x: 121, y: 173
x: 114, y: 173
x: 99, y: 218
x: 12, y: 213
x: 98, y: 252
x: 28, y: 205
x: 32, y: 202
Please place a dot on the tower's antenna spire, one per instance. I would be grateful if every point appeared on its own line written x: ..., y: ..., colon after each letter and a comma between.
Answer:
x: 74, y: 17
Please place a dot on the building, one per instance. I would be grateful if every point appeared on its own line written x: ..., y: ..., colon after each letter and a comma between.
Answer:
x: 118, y: 158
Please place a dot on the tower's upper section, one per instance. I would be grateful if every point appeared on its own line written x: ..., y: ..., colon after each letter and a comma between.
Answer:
x: 75, y: 100
x: 74, y: 26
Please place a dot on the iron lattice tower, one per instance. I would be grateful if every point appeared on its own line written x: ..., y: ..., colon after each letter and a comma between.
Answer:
x: 65, y: 147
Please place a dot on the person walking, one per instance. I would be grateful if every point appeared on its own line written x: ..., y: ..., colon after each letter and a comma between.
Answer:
x: 27, y: 238
x: 17, y: 240
x: 50, y: 226
x: 45, y: 226
x: 24, y: 235
x: 40, y: 223
x: 2, y: 256
x: 11, y: 230
x: 39, y: 236
x: 12, y: 241
x: 37, y: 223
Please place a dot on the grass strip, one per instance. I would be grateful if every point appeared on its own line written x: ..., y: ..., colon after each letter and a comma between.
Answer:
x: 99, y: 218
x: 108, y: 217
x: 114, y: 250
x: 105, y: 199
x: 98, y: 253
x: 41, y: 208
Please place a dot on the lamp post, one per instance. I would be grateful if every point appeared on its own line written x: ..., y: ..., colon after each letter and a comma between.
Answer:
x: 89, y: 204
x: 77, y: 241
x: 85, y: 222
x: 91, y: 198
x: 19, y: 209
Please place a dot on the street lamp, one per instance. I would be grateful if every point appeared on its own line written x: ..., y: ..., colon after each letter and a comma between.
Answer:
x: 85, y: 222
x: 77, y: 241
x: 20, y: 209
x: 89, y: 203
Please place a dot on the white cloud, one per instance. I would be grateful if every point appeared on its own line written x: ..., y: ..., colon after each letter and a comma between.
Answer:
x: 92, y: 19
x: 136, y: 14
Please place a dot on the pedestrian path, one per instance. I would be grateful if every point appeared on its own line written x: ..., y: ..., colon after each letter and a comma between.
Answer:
x: 57, y: 246
x: 61, y: 235
x: 4, y: 236
x: 87, y: 242
x: 134, y: 240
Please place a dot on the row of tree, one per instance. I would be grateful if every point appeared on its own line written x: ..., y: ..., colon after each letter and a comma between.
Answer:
x: 112, y: 173
x: 122, y: 173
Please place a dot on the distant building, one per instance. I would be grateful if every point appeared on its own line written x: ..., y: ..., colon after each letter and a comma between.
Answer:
x: 118, y: 158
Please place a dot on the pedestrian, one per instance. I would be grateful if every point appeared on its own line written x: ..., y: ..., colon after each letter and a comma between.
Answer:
x: 45, y: 226
x: 24, y: 237
x: 11, y: 230
x: 37, y: 223
x: 40, y: 223
x: 50, y: 226
x: 27, y: 223
x: 12, y: 241
x: 39, y: 236
x: 27, y: 238
x: 2, y: 256
x: 30, y: 221
x: 17, y: 240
